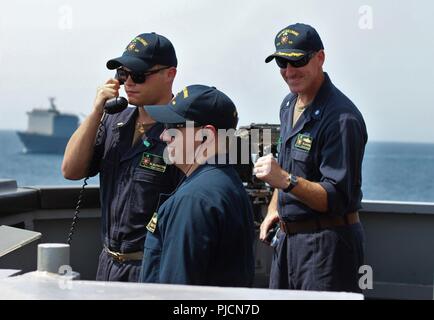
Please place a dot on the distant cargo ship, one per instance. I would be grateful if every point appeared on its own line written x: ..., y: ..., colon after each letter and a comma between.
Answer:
x: 48, y: 130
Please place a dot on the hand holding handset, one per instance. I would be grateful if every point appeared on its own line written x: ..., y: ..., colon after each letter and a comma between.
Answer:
x: 272, y: 235
x: 117, y: 104
x: 111, y: 106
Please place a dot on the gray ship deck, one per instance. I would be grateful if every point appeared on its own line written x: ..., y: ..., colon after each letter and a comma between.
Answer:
x: 399, y: 244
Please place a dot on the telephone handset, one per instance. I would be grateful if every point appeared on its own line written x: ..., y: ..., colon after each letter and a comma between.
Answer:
x: 111, y: 106
x: 115, y: 105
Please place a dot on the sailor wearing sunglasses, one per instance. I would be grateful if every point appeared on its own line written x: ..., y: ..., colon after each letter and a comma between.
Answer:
x: 317, y: 177
x: 127, y: 153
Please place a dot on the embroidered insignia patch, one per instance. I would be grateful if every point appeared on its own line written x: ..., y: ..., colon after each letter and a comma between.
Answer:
x: 303, y: 142
x: 152, y: 223
x: 153, y: 162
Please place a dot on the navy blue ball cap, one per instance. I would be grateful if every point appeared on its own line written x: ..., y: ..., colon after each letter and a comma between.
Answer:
x: 296, y: 41
x: 145, y: 51
x: 199, y: 103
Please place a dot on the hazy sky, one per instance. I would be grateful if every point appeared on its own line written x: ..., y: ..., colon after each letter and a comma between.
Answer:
x: 378, y: 53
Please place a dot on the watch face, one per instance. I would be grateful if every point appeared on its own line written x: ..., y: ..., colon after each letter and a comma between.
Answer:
x: 292, y: 183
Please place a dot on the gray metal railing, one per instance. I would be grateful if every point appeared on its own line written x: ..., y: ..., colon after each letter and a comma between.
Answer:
x: 399, y: 237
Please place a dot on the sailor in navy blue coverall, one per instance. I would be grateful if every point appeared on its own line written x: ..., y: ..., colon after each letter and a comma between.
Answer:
x: 133, y: 179
x: 127, y: 154
x: 318, y: 174
x: 203, y: 234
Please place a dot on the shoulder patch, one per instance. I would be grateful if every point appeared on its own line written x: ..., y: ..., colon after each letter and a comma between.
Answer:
x: 152, y: 223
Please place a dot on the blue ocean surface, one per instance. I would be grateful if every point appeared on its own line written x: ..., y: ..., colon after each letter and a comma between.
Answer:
x: 31, y: 169
x: 398, y: 172
x: 391, y: 171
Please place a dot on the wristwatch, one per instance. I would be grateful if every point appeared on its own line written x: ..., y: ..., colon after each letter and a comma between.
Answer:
x: 292, y: 183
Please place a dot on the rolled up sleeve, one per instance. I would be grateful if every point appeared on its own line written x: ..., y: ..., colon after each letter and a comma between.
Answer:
x: 341, y: 162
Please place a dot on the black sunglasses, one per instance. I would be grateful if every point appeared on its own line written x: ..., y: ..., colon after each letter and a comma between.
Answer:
x: 283, y: 63
x: 123, y: 74
x: 180, y: 125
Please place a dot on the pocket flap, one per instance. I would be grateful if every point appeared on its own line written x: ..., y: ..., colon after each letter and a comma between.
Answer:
x: 150, y: 176
x: 300, y: 155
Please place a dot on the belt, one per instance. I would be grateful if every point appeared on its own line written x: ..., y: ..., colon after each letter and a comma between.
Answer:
x: 319, y: 223
x: 122, y: 257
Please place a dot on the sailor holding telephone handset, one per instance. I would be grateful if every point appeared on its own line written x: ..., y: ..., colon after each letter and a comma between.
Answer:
x: 127, y: 153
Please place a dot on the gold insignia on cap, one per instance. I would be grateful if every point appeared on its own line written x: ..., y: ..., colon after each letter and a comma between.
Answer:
x: 283, y: 36
x: 131, y: 46
x: 185, y: 91
x: 284, y: 40
x: 291, y: 54
x: 142, y: 41
x: 288, y: 31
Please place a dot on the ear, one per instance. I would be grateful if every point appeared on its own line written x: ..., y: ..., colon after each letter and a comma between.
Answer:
x: 208, y: 133
x: 171, y: 73
x: 321, y: 57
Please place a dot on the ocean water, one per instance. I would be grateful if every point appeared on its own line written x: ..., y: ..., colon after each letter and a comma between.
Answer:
x: 391, y: 171
x: 31, y: 169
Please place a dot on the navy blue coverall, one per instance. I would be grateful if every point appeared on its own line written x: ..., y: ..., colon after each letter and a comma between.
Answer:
x: 204, y: 233
x: 325, y: 146
x: 131, y: 181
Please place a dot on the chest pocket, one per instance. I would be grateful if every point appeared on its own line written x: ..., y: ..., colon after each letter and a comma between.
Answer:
x: 301, y: 163
x: 144, y: 194
x: 151, y: 177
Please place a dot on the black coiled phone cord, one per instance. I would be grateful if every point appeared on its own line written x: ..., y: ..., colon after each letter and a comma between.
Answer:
x: 77, y: 211
x: 80, y: 196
